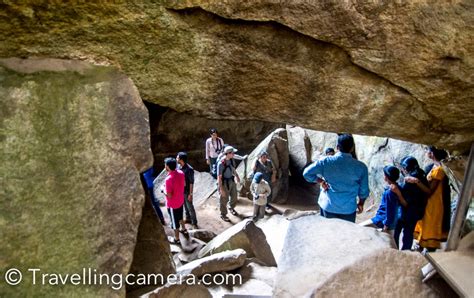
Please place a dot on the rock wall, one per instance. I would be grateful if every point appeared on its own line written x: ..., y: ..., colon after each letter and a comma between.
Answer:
x: 172, y: 132
x: 74, y: 139
x: 398, y: 69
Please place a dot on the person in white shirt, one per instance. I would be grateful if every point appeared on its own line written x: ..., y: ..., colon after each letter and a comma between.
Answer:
x: 214, y: 146
x: 260, y: 191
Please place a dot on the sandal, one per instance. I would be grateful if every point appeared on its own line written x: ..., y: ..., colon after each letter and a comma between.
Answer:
x: 232, y: 211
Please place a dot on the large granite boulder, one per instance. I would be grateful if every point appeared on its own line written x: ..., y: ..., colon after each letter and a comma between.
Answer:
x: 394, y: 69
x: 276, y: 145
x: 315, y: 248
x: 219, y: 262
x: 74, y: 140
x: 386, y: 273
x: 152, y: 252
x: 245, y: 235
x: 299, y: 145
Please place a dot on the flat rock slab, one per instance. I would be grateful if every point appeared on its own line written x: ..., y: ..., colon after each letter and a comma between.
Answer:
x: 245, y: 235
x: 219, y: 262
x: 388, y: 272
x: 316, y: 248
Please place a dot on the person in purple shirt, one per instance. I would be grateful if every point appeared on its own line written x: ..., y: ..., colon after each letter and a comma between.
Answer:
x: 346, y: 179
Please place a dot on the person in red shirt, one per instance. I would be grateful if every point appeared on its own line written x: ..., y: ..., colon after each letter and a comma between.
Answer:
x: 174, y: 193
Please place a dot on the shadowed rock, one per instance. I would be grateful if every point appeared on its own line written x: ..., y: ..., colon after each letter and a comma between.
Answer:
x: 245, y: 235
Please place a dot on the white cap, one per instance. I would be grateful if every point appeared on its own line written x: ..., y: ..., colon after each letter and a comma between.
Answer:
x: 229, y: 149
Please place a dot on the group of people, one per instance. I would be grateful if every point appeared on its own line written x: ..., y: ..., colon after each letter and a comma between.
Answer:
x: 178, y: 192
x: 419, y: 207
x: 179, y: 184
x: 222, y: 166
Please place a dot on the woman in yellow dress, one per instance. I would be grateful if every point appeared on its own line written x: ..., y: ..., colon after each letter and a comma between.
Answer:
x: 433, y: 228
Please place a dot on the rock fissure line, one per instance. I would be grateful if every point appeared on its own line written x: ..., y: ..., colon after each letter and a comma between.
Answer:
x: 435, y: 124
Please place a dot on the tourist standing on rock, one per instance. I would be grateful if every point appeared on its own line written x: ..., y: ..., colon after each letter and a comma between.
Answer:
x: 214, y: 146
x: 261, y: 190
x: 386, y: 216
x: 149, y: 176
x: 226, y: 181
x: 434, y: 226
x: 188, y: 171
x: 174, y: 193
x: 265, y: 166
x: 413, y: 202
x: 347, y: 179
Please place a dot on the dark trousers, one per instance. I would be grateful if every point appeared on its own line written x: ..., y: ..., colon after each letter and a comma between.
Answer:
x: 156, y: 205
x: 349, y: 217
x: 213, y: 167
x: 189, y: 209
x: 408, y: 227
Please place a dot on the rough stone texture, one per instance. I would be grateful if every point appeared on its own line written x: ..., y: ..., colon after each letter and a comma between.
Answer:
x: 274, y: 228
x: 394, y: 69
x: 223, y: 261
x: 74, y: 140
x: 202, y: 234
x: 276, y: 144
x: 299, y: 146
x: 316, y: 247
x: 179, y: 291
x: 245, y: 235
x: 193, y: 131
x: 152, y: 252
x: 387, y: 272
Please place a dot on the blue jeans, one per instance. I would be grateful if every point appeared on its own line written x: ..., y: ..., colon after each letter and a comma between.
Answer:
x: 349, y: 217
x: 189, y: 209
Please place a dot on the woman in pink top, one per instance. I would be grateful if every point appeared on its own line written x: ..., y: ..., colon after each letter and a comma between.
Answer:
x: 174, y: 192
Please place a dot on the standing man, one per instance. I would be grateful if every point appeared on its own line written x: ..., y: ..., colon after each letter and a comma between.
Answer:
x: 214, y: 146
x: 226, y: 181
x: 174, y: 192
x: 346, y: 178
x: 188, y: 171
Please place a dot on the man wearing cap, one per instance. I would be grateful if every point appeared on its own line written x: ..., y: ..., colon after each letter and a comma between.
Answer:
x: 346, y: 178
x: 226, y: 181
x: 214, y: 146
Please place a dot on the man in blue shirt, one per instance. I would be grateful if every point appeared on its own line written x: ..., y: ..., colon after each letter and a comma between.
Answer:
x: 346, y: 179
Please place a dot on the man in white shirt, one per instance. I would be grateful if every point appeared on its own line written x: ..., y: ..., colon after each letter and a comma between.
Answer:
x: 214, y: 146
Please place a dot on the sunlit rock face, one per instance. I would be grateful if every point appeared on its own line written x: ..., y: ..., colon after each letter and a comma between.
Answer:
x: 74, y: 139
x: 393, y: 69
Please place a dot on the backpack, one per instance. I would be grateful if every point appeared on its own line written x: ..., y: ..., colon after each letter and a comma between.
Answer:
x: 226, y: 166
